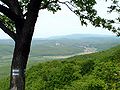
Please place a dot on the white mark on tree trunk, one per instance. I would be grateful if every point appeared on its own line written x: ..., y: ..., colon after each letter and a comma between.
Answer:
x: 15, y: 72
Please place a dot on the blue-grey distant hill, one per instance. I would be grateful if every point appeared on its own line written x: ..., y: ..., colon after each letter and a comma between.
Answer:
x: 82, y: 36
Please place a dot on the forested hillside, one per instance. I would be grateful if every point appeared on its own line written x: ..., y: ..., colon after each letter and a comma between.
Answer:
x: 97, y: 71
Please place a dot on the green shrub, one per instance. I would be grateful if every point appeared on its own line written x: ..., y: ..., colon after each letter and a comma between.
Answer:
x: 110, y: 73
x: 87, y: 67
x: 87, y: 83
x: 4, y: 84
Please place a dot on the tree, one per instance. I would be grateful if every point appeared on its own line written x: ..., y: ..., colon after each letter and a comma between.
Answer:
x: 18, y: 18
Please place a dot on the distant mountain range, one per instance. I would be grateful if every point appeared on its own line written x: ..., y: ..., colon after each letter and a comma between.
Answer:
x: 71, y: 36
x: 78, y: 36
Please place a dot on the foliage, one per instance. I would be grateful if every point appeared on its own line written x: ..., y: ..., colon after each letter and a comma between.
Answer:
x: 87, y: 83
x: 4, y: 84
x: 8, y: 22
x: 87, y: 67
x: 109, y: 72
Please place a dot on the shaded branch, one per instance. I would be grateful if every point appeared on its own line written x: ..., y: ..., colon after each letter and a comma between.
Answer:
x: 6, y: 11
x: 65, y: 3
x: 5, y: 2
x: 15, y: 7
x: 8, y: 31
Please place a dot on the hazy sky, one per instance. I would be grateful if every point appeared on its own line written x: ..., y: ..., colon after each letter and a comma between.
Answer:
x: 65, y: 22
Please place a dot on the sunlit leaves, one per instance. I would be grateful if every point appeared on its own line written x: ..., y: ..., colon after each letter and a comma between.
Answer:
x: 50, y: 5
x: 23, y: 4
x: 54, y: 7
x: 8, y: 23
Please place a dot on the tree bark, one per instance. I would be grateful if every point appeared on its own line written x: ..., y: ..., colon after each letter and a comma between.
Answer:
x: 19, y: 62
x: 24, y: 33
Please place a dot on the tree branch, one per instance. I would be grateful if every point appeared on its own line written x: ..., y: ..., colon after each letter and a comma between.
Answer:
x: 5, y: 2
x: 65, y: 3
x: 31, y: 18
x: 8, y: 31
x: 6, y: 11
x: 15, y: 7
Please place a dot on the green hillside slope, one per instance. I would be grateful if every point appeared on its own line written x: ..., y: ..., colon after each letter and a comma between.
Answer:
x: 97, y: 71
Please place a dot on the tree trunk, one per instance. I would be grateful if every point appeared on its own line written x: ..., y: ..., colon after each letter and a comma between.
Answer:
x: 24, y: 33
x: 19, y: 62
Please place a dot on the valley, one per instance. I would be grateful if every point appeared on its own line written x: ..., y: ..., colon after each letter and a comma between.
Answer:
x: 56, y: 48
